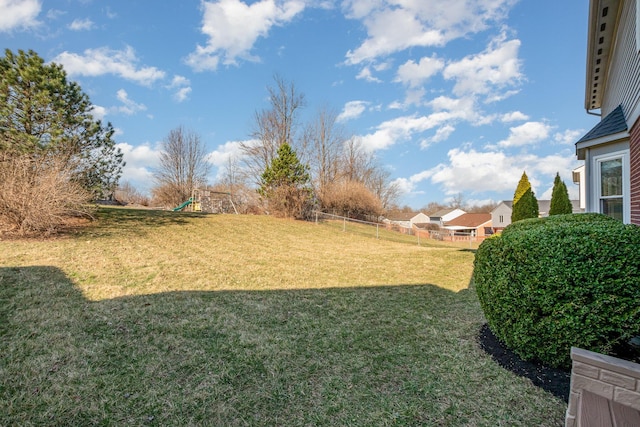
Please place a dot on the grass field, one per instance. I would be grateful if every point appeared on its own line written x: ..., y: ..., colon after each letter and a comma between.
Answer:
x: 158, y: 318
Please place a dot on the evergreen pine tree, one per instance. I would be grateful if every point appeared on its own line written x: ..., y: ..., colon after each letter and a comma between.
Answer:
x: 525, y: 204
x: 285, y: 184
x: 560, y: 203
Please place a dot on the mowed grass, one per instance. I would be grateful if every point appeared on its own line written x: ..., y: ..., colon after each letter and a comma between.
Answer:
x: 158, y: 318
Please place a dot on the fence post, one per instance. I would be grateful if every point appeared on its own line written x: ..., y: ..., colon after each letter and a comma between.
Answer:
x: 344, y: 224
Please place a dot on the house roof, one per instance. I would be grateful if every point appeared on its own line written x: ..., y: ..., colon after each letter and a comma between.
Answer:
x: 469, y: 220
x: 508, y: 203
x: 403, y: 216
x: 545, y: 205
x: 442, y: 212
x: 613, y: 123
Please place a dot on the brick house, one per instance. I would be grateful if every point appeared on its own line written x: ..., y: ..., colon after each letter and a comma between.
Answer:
x: 474, y: 224
x: 611, y: 150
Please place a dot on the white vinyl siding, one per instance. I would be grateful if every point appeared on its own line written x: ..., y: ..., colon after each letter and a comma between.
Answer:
x: 623, y: 76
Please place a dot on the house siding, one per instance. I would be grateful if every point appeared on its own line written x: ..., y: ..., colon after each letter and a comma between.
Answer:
x: 623, y: 76
x: 504, y: 211
x: 634, y: 166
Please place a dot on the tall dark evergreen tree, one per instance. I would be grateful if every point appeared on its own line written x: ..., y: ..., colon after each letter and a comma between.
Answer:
x: 560, y: 203
x: 525, y: 204
x: 285, y: 184
x: 43, y: 115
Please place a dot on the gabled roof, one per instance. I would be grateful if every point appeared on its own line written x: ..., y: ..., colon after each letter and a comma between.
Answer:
x: 508, y: 203
x: 402, y: 216
x: 545, y: 205
x: 442, y: 212
x: 469, y: 220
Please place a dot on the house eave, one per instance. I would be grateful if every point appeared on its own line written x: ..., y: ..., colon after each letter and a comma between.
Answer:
x: 581, y: 147
x: 603, y: 20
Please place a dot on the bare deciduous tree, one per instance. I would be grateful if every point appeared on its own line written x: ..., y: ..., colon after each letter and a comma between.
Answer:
x: 183, y: 165
x: 272, y: 128
x: 322, y: 144
x: 126, y: 193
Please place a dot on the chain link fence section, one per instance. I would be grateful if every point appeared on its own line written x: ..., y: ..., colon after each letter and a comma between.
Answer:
x: 392, y: 232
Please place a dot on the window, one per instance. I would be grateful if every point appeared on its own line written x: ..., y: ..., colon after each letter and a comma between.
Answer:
x: 501, y: 219
x: 612, y: 185
x: 611, y: 193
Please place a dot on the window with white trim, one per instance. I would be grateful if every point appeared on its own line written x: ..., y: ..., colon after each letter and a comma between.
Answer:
x: 612, y: 185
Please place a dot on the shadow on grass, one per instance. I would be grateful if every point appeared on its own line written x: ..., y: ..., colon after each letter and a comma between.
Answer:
x: 114, y: 219
x: 395, y: 355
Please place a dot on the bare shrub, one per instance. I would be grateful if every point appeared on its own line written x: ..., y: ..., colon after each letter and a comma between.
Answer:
x: 350, y: 198
x: 38, y: 196
x: 128, y: 194
x: 289, y: 202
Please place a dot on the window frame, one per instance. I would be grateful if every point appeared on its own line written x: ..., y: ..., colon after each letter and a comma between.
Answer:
x: 626, y: 185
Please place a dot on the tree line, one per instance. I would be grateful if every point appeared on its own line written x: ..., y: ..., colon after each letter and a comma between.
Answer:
x: 286, y: 168
x: 55, y: 157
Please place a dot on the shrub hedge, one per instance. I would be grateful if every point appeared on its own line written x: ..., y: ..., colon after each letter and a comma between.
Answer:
x: 567, y: 280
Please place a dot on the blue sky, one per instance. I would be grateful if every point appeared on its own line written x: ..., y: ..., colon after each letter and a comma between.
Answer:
x: 453, y: 97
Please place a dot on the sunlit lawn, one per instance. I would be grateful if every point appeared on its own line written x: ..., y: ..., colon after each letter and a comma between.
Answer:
x: 159, y: 318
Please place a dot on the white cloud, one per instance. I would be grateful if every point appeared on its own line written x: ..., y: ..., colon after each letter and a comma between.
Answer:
x: 498, y: 67
x: 19, y: 14
x: 100, y: 61
x: 408, y: 185
x: 129, y: 106
x: 230, y: 150
x: 182, y: 94
x: 233, y: 27
x: 182, y: 87
x: 495, y: 171
x: 514, y: 116
x: 402, y: 128
x: 81, y: 25
x: 569, y: 136
x: 393, y: 26
x: 98, y: 112
x: 54, y: 14
x: 365, y: 74
x: 352, y: 110
x: 526, y: 134
x: 140, y: 161
x: 415, y: 74
x: 442, y: 134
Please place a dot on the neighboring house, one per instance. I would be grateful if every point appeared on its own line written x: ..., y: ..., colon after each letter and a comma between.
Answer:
x: 578, y: 179
x: 445, y: 215
x: 611, y: 150
x: 501, y: 214
x: 474, y: 224
x: 408, y: 220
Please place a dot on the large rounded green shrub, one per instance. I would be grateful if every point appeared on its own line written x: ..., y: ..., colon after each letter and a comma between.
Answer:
x: 548, y: 284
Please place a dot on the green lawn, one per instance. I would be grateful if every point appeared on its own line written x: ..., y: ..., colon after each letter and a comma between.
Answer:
x: 159, y: 318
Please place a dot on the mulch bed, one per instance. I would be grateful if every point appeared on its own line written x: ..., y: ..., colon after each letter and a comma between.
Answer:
x: 555, y: 381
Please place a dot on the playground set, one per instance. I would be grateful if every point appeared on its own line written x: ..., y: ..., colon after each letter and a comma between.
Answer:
x: 208, y: 201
